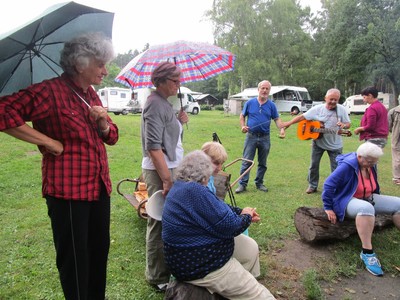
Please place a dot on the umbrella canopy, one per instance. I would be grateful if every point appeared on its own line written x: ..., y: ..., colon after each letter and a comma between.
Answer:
x: 197, y: 61
x: 31, y: 53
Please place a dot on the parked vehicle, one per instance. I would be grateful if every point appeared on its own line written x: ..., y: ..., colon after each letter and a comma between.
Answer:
x: 355, y: 104
x: 116, y: 100
x: 139, y: 98
x: 189, y: 104
x: 293, y: 99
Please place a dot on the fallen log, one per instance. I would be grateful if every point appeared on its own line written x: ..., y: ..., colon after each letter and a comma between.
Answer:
x: 313, y: 225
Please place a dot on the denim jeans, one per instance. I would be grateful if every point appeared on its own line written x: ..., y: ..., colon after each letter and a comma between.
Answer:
x: 316, y: 155
x: 252, y: 143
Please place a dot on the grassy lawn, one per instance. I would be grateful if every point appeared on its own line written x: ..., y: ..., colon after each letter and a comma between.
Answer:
x: 27, y: 256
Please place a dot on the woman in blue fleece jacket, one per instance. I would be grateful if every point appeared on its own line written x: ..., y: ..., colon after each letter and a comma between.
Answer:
x: 198, y: 231
x: 352, y: 191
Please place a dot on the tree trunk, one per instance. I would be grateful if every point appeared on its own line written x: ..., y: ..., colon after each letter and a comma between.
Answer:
x: 312, y: 224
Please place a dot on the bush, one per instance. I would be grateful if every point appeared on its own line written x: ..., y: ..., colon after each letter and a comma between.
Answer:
x: 219, y: 107
x: 205, y: 107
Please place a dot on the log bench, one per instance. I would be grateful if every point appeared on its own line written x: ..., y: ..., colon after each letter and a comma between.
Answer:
x: 313, y: 225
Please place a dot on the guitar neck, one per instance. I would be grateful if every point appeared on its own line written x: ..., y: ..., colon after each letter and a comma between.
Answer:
x: 325, y: 130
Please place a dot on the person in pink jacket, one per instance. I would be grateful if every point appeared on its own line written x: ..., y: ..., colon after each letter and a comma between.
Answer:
x: 374, y: 125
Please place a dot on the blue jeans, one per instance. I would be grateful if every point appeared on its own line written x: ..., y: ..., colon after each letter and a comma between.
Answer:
x: 316, y: 155
x: 262, y: 144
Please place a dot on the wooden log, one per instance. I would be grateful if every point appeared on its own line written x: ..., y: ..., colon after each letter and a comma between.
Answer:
x: 312, y: 224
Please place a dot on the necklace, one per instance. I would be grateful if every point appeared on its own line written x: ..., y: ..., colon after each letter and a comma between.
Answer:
x: 76, y: 93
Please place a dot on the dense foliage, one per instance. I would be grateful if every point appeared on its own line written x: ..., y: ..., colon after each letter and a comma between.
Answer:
x: 349, y: 44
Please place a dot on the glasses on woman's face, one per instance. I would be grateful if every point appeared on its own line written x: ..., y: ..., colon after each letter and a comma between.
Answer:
x: 370, y: 161
x: 176, y: 81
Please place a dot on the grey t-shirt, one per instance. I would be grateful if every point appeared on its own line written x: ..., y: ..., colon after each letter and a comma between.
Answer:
x: 330, y: 118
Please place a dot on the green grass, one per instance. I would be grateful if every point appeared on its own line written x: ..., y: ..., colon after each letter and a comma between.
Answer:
x: 310, y: 281
x: 27, y: 258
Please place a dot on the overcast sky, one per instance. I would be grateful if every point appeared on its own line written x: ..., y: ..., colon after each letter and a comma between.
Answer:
x: 136, y: 22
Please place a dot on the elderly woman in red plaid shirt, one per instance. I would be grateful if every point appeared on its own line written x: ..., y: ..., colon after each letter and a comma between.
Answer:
x: 71, y: 128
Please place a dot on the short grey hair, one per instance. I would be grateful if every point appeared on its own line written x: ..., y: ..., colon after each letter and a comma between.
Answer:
x: 79, y: 51
x: 333, y: 91
x: 195, y: 167
x: 261, y: 82
x: 369, y: 149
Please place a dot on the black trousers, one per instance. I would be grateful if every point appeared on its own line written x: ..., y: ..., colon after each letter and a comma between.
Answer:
x: 81, y: 234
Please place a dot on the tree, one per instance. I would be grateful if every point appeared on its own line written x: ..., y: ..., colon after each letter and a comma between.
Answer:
x: 361, y: 43
x: 113, y: 70
x: 268, y: 38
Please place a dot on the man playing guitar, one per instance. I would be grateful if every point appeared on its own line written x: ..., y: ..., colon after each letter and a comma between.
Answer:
x: 334, y: 117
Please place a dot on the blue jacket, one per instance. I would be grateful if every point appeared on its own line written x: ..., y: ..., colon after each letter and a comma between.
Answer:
x: 198, y: 230
x: 341, y: 185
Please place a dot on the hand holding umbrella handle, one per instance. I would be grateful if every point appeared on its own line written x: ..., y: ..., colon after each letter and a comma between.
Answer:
x: 183, y: 117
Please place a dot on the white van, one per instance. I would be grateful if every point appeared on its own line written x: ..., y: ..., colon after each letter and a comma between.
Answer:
x: 293, y: 99
x: 116, y: 100
x: 189, y: 104
x: 139, y: 98
x: 355, y: 104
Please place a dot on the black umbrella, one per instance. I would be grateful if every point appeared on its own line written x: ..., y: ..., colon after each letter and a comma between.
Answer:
x: 31, y: 53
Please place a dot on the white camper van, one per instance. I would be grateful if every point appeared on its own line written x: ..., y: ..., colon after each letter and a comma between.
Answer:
x: 287, y: 98
x: 116, y: 100
x: 139, y: 98
x: 188, y: 102
x: 355, y: 104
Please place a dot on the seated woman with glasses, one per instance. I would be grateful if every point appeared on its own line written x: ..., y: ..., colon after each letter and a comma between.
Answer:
x: 352, y: 191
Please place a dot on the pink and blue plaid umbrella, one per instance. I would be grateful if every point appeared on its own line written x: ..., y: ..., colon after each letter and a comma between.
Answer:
x: 197, y: 61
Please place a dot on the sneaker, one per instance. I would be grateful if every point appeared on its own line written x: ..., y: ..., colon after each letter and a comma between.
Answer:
x: 262, y: 188
x: 241, y: 188
x: 162, y: 287
x: 372, y: 263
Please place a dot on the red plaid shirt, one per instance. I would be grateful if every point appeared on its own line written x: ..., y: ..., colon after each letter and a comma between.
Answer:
x: 55, y: 110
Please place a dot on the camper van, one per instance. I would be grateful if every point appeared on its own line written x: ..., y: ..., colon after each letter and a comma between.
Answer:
x: 287, y: 98
x: 116, y: 100
x: 355, y: 104
x: 189, y: 104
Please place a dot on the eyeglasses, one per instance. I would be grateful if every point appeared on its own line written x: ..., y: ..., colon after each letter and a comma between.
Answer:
x: 370, y: 161
x: 177, y: 82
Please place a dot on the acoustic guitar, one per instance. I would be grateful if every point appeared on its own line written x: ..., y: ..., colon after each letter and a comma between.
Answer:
x: 314, y: 129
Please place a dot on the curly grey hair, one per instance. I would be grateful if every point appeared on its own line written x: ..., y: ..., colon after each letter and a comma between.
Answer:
x: 79, y: 51
x: 196, y: 167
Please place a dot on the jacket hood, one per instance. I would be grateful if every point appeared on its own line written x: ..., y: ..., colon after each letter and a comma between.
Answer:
x: 348, y: 158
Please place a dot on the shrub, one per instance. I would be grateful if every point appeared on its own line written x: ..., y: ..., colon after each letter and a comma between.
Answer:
x: 205, y: 107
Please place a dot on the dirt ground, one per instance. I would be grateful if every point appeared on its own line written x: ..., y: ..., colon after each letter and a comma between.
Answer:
x: 296, y: 256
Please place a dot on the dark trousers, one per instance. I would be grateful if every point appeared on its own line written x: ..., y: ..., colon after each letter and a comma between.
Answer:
x: 81, y: 233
